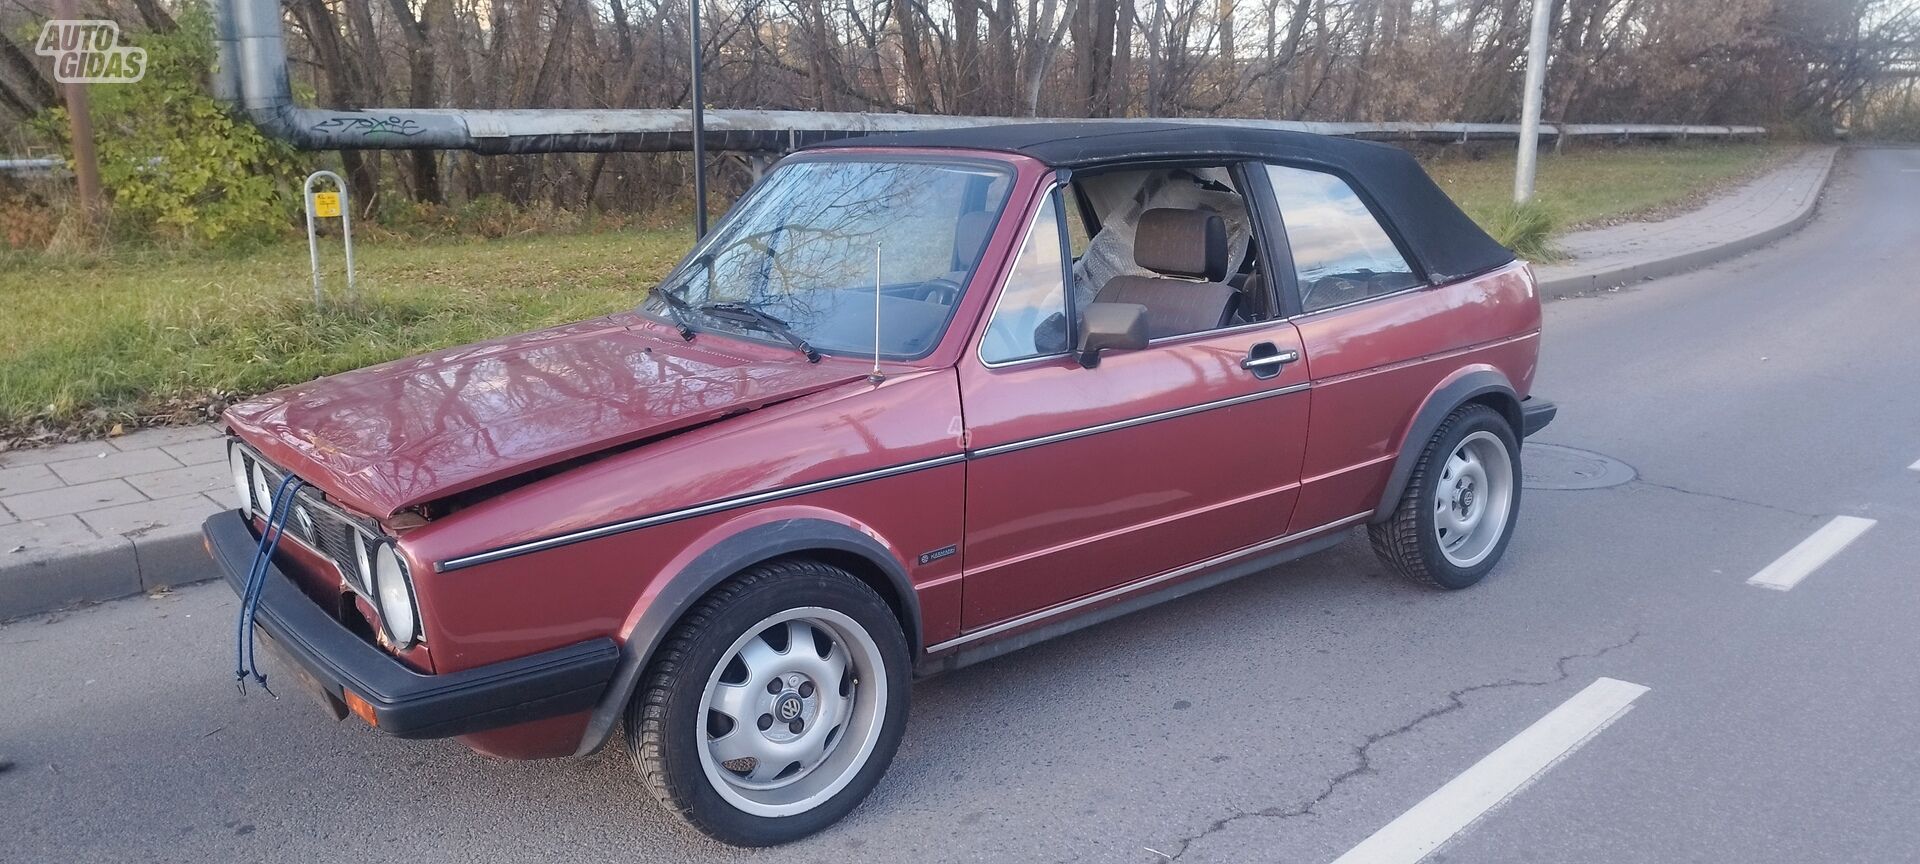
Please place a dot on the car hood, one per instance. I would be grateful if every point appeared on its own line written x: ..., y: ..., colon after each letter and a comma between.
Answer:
x: 393, y: 436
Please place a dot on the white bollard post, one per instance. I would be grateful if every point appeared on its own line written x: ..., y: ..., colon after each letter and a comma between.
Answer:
x: 327, y: 205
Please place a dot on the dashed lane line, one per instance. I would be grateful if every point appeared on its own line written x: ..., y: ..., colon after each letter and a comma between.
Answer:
x: 1800, y: 561
x: 1497, y: 777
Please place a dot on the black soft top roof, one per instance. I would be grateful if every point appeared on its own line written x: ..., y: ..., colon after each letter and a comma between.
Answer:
x: 1448, y: 245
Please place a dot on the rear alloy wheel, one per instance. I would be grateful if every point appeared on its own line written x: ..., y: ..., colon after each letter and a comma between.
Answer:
x: 1453, y: 522
x: 774, y: 706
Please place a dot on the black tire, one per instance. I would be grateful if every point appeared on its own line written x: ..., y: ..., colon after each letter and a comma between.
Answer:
x: 663, y: 720
x: 1407, y: 541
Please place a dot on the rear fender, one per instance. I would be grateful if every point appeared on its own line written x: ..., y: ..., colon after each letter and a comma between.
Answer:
x: 1467, y: 384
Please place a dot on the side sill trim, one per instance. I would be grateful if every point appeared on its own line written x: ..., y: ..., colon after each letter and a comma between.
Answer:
x: 1071, y: 434
x: 1141, y: 585
x: 689, y: 513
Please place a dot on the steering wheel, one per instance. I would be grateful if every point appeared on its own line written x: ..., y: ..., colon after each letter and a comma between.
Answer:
x: 939, y: 290
x: 1336, y: 286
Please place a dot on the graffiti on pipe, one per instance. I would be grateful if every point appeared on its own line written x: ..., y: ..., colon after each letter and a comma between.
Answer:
x: 368, y: 127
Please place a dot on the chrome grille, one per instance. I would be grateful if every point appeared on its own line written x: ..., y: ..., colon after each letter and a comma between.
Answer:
x: 325, y: 529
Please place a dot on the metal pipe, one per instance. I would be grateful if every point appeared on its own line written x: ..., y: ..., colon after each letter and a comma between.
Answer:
x: 252, y: 30
x: 225, y: 78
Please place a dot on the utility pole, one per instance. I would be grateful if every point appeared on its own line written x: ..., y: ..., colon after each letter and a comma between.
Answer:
x: 86, y: 165
x: 1530, y: 101
x: 699, y: 124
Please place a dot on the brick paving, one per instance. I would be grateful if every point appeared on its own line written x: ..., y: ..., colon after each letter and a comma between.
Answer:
x: 105, y: 519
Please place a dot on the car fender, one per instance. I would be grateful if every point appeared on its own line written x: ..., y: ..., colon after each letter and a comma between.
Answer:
x: 1464, y: 385
x: 726, y: 550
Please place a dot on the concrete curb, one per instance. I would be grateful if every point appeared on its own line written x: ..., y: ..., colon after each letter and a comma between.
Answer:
x: 1593, y: 282
x: 109, y: 569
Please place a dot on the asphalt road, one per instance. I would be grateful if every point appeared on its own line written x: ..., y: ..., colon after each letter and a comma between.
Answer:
x: 1285, y: 717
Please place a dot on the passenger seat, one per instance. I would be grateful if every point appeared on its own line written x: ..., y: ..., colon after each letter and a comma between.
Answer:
x: 1189, y: 249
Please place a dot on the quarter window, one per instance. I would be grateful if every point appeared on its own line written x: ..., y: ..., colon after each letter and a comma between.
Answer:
x: 1340, y: 252
x: 1031, y: 318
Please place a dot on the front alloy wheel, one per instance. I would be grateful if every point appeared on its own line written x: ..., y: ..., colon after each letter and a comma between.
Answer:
x: 792, y: 709
x: 774, y: 706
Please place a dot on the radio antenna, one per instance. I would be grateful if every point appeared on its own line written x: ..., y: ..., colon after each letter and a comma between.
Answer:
x: 875, y: 375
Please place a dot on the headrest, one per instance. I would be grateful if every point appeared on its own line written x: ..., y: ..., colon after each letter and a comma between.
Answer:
x: 969, y: 234
x: 1191, y: 243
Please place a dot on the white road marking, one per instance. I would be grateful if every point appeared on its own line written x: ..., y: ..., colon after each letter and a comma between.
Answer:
x: 1914, y: 467
x: 1787, y: 570
x: 1497, y: 777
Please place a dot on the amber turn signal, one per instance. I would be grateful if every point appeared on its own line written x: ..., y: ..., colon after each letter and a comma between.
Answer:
x: 361, y: 708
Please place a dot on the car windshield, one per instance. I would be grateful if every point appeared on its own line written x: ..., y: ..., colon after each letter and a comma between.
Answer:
x: 824, y: 247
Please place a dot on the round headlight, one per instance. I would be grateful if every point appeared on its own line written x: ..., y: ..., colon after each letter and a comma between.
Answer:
x: 396, y: 596
x: 242, y: 484
x: 262, y: 491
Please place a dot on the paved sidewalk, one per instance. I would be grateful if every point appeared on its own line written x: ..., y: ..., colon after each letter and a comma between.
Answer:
x: 101, y: 520
x: 106, y: 519
x: 1751, y: 215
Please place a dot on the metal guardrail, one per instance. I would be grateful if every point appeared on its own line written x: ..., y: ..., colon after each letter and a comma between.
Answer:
x: 772, y: 132
x: 777, y: 131
x: 33, y: 166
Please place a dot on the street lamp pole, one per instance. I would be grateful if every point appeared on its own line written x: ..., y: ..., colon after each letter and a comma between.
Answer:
x: 1530, y: 102
x: 699, y: 124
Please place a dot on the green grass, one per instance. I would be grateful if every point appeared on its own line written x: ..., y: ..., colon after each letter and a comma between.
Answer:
x: 1589, y: 186
x: 136, y: 338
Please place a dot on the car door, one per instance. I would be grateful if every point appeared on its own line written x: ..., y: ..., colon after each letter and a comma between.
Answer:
x: 1080, y: 480
x: 1380, y: 337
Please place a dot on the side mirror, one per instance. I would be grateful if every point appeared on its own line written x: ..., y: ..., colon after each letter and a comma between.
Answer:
x: 1111, y: 327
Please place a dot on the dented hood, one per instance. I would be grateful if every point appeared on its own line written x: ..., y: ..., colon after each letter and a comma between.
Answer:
x: 394, y: 436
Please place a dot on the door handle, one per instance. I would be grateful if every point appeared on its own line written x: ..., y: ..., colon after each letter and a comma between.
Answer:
x: 1280, y: 359
x: 1264, y: 359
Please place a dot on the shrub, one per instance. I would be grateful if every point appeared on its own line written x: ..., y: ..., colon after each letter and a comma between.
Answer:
x: 176, y: 166
x: 1527, y: 229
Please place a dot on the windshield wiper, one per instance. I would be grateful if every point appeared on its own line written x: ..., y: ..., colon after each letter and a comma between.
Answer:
x: 677, y: 309
x: 757, y: 318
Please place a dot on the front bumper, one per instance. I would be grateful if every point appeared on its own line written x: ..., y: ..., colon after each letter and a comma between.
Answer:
x: 1535, y: 414
x: 406, y: 703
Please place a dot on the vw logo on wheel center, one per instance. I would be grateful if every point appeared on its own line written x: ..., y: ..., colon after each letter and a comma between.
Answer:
x: 787, y: 708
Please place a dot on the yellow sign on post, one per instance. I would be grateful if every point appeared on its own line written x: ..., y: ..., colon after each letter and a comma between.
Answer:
x: 326, y: 205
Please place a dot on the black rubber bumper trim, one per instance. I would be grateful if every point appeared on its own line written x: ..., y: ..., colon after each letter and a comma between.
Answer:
x: 1535, y: 414
x: 405, y: 703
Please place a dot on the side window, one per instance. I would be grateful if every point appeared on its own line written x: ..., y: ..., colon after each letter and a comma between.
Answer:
x: 1031, y: 318
x: 1340, y: 252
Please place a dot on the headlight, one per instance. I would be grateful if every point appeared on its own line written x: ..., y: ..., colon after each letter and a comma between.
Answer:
x: 242, y: 483
x: 396, y: 595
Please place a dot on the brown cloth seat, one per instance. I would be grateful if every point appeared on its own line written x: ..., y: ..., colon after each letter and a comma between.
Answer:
x: 1190, y: 245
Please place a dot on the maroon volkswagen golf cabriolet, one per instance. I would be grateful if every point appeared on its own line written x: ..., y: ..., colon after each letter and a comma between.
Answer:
x: 917, y: 401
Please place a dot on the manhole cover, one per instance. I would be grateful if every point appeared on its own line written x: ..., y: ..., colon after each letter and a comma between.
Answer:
x: 1550, y: 466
